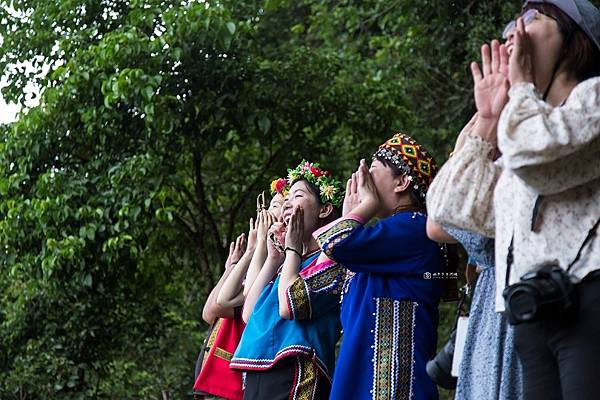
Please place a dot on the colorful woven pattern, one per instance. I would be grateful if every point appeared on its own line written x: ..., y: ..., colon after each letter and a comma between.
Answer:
x: 412, y: 158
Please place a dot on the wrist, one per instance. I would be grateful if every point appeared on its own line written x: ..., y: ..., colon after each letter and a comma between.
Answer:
x: 369, y: 205
x: 293, y: 250
x: 521, y: 78
x: 273, y: 256
x: 485, y: 128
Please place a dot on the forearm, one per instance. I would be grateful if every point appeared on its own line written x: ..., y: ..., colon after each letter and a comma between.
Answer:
x: 437, y: 233
x: 231, y: 294
x: 289, y: 274
x: 212, y: 310
x: 265, y: 275
x: 461, y: 195
x: 258, y: 259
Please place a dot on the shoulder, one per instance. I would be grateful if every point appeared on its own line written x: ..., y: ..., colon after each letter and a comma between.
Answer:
x: 587, y: 92
x: 413, y: 222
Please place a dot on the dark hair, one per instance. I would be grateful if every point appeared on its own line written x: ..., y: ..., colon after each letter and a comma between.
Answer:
x: 335, y: 212
x: 580, y: 57
x: 415, y: 197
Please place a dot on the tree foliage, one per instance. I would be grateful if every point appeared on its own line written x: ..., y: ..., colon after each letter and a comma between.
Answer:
x: 159, y: 122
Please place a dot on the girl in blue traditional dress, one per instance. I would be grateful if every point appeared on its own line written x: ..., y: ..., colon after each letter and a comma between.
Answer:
x: 394, y: 283
x: 288, y: 347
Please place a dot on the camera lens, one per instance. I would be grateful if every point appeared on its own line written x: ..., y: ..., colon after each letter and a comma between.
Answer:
x: 439, y: 368
x: 523, y: 303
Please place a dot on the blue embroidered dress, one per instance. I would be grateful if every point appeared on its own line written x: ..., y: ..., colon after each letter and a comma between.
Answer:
x: 490, y: 368
x: 314, y: 329
x: 390, y: 306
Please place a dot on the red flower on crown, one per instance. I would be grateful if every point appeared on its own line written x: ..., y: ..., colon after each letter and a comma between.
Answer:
x: 316, y: 171
x: 279, y: 186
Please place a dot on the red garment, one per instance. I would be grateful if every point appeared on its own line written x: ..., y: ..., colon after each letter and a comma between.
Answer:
x: 216, y: 378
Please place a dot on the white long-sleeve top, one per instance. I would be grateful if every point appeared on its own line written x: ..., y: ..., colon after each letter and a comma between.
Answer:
x: 552, y: 152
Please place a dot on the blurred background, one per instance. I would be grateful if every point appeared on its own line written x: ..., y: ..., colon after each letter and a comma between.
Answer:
x: 135, y: 136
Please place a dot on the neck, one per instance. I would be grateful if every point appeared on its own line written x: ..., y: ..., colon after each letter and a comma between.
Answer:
x: 560, y: 90
x: 399, y: 203
x: 310, y: 245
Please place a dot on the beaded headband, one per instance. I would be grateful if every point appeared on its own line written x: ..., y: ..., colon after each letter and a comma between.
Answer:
x: 412, y: 159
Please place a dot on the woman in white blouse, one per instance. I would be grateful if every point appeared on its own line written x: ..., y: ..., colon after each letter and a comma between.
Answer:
x: 538, y: 103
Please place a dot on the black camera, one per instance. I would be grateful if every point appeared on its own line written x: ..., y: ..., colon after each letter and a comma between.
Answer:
x: 439, y: 368
x: 546, y: 291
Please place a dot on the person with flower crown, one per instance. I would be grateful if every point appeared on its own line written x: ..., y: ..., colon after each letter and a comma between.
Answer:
x: 223, y: 306
x: 292, y: 310
x: 390, y: 298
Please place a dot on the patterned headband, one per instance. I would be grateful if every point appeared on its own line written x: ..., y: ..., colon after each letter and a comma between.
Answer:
x: 412, y: 159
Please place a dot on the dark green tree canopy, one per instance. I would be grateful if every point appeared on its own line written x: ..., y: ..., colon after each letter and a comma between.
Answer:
x: 159, y: 122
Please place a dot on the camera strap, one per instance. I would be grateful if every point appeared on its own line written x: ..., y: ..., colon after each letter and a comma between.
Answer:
x: 510, y: 255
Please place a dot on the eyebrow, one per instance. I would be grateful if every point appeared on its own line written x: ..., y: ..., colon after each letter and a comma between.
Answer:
x: 300, y: 190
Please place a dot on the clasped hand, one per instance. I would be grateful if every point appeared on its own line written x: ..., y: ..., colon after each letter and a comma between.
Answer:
x: 360, y: 189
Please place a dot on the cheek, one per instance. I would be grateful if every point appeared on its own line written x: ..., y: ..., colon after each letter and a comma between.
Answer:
x: 276, y: 211
x: 381, y: 183
x: 311, y: 210
x: 546, y: 42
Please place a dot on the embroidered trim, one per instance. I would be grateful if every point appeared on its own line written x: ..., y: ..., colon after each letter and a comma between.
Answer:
x: 393, y: 349
x: 223, y: 354
x: 335, y: 234
x: 299, y: 300
x: 305, y: 381
x: 348, y: 276
x: 328, y: 280
x: 320, y: 276
x: 406, y: 349
x: 213, y: 334
x: 264, y: 364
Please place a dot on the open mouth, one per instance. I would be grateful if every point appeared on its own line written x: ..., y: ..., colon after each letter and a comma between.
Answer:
x: 287, y: 216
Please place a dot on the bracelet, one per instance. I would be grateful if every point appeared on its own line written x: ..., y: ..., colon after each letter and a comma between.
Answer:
x: 294, y: 250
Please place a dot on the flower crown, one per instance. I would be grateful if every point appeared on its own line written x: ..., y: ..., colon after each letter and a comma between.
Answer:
x: 280, y: 186
x: 330, y: 189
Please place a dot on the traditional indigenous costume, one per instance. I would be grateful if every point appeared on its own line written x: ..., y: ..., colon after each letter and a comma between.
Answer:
x: 389, y: 310
x: 216, y: 378
x: 294, y: 359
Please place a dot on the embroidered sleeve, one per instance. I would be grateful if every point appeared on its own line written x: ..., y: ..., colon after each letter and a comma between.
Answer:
x: 552, y: 149
x: 393, y: 245
x: 335, y: 232
x: 462, y: 193
x: 317, y: 289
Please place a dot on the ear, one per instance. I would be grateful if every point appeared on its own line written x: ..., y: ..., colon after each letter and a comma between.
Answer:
x: 402, y: 183
x: 326, y: 210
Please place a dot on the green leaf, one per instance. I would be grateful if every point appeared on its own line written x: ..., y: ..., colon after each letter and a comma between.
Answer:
x: 264, y: 123
x: 230, y: 27
x: 148, y: 92
x: 87, y: 281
